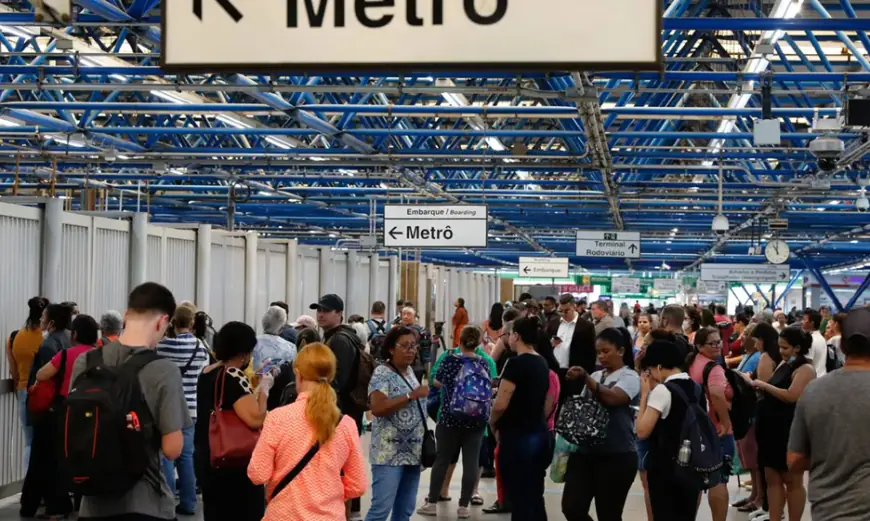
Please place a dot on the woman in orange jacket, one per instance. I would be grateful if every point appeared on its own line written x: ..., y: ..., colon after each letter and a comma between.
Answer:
x: 460, y: 320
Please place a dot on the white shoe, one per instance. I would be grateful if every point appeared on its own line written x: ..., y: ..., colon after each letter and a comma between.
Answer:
x: 756, y: 515
x: 463, y: 513
x: 428, y: 509
x: 355, y: 516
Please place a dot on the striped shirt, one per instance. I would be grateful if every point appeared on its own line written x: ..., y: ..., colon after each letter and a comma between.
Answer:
x: 179, y: 350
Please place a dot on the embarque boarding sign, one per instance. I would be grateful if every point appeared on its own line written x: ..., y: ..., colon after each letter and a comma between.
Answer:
x: 435, y: 226
x: 389, y: 35
x: 755, y: 273
x: 546, y: 267
x: 625, y: 285
x: 615, y: 244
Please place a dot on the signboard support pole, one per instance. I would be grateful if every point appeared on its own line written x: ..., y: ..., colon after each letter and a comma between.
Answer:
x: 860, y: 291
x: 763, y: 295
x: 798, y: 276
x: 817, y: 273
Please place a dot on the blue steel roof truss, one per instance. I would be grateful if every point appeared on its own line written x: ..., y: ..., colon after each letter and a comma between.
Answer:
x: 314, y: 150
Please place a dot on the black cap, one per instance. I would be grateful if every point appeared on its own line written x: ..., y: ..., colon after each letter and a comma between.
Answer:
x: 330, y: 302
x: 857, y: 323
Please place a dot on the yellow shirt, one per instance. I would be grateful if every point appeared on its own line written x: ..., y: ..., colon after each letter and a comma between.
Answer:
x: 26, y: 344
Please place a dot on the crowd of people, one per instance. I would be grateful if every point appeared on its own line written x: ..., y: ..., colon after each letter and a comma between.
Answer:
x: 132, y: 417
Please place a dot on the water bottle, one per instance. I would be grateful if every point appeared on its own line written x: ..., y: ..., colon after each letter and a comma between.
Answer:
x: 685, y: 453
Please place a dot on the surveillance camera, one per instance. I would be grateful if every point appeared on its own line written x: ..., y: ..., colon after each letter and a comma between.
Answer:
x: 721, y: 224
x: 827, y: 149
x: 862, y: 204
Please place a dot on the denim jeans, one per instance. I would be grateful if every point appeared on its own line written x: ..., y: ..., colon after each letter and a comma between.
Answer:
x: 28, y: 430
x: 394, y: 489
x: 186, y: 477
x: 522, y: 458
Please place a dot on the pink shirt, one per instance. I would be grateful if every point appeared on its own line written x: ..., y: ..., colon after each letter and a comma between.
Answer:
x: 318, y: 493
x: 71, y: 354
x: 553, y: 392
x: 715, y: 380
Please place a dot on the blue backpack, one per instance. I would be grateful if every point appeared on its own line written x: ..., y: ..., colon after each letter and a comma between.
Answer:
x: 704, y: 467
x: 472, y: 392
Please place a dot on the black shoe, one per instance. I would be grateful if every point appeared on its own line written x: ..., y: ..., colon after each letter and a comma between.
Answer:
x: 182, y: 512
x: 488, y: 474
x: 496, y: 508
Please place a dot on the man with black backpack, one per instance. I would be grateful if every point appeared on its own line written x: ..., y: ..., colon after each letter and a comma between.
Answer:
x: 125, y: 407
x: 378, y: 329
x: 354, y: 366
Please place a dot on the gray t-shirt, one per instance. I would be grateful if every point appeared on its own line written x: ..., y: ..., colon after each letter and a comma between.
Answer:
x: 827, y: 428
x: 164, y: 394
x: 621, y: 435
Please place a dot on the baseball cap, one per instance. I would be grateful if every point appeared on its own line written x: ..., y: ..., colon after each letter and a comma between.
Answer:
x: 857, y: 323
x: 330, y: 302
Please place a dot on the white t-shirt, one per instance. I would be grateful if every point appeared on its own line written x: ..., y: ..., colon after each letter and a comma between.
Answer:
x: 562, y: 352
x: 835, y: 342
x: 819, y: 354
x: 660, y: 397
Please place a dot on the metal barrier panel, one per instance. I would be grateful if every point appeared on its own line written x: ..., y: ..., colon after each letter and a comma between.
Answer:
x: 338, y: 276
x: 111, y: 280
x: 363, y: 282
x: 181, y: 267
x: 75, y: 266
x: 215, y: 308
x: 155, y: 258
x: 234, y: 280
x: 262, y: 288
x: 20, y: 227
x: 309, y: 278
x: 383, y: 291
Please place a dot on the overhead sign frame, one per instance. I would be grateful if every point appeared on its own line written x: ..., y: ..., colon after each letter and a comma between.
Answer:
x: 221, y: 18
x: 544, y: 267
x: 625, y: 285
x: 453, y: 218
x: 608, y: 244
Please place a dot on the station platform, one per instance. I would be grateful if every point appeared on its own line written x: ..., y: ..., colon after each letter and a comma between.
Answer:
x: 634, y: 507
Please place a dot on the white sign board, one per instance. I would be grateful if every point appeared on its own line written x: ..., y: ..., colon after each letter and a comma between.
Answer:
x: 705, y: 286
x: 746, y: 273
x: 547, y: 267
x: 237, y: 35
x: 435, y: 226
x: 668, y: 285
x: 624, y: 285
x: 615, y: 244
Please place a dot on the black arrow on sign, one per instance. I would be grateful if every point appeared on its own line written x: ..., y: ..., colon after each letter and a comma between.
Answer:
x: 526, y: 270
x: 633, y: 248
x: 394, y: 233
x: 230, y: 9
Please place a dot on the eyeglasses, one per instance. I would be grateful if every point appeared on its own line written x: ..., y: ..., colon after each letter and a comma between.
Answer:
x: 717, y: 343
x: 407, y: 347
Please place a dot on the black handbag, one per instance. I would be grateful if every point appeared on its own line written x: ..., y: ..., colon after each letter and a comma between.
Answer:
x: 583, y: 420
x: 427, y: 457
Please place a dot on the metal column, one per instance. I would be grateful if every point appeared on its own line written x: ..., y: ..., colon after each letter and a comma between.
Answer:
x: 52, y: 242
x: 203, y: 266
x: 325, y: 271
x: 374, y: 271
x: 393, y: 283
x: 251, y: 278
x: 138, y: 249
x: 353, y: 296
x: 291, y: 283
x: 817, y: 273
x: 798, y: 276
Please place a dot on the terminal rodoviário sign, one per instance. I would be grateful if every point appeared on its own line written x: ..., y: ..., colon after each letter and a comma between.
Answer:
x: 389, y: 34
x: 435, y: 226
x: 610, y: 244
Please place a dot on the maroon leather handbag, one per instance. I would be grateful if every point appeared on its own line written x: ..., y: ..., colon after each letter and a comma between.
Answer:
x: 231, y: 441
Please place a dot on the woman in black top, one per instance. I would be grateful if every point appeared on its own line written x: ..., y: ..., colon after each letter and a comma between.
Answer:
x: 520, y: 425
x: 660, y: 421
x: 773, y: 417
x: 227, y: 493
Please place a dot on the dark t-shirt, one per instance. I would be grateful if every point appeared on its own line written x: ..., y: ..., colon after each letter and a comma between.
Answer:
x: 530, y: 374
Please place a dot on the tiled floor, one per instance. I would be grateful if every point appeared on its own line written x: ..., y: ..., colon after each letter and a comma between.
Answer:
x: 634, y: 508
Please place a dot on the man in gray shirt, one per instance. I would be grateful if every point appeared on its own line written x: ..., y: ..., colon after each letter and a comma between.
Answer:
x: 149, y: 308
x: 601, y: 316
x: 828, y: 427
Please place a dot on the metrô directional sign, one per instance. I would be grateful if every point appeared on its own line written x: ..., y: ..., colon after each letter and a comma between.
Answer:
x: 612, y: 244
x: 546, y: 267
x: 754, y: 273
x: 435, y: 226
x: 240, y: 35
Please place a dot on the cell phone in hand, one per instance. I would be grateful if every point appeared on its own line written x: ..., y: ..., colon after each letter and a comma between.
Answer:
x: 267, y: 367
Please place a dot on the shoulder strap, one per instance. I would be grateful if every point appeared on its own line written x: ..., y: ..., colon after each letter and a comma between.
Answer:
x: 12, y: 336
x: 420, y: 407
x: 192, y: 358
x: 93, y: 358
x: 138, y: 361
x: 306, y: 459
x: 707, y: 370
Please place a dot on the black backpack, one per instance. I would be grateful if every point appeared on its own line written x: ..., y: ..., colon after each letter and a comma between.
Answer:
x: 833, y: 362
x: 107, y: 433
x: 364, y: 367
x: 704, y: 467
x: 742, y: 404
x: 377, y: 335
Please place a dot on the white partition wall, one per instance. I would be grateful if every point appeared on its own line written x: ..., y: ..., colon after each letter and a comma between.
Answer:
x: 271, y: 277
x: 111, y: 281
x: 309, y: 279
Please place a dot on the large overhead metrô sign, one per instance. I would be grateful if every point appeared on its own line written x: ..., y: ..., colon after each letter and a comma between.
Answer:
x: 611, y: 244
x: 435, y: 226
x: 748, y: 273
x: 546, y: 267
x: 427, y: 35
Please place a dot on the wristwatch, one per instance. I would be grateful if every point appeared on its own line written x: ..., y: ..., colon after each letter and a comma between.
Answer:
x: 408, y: 396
